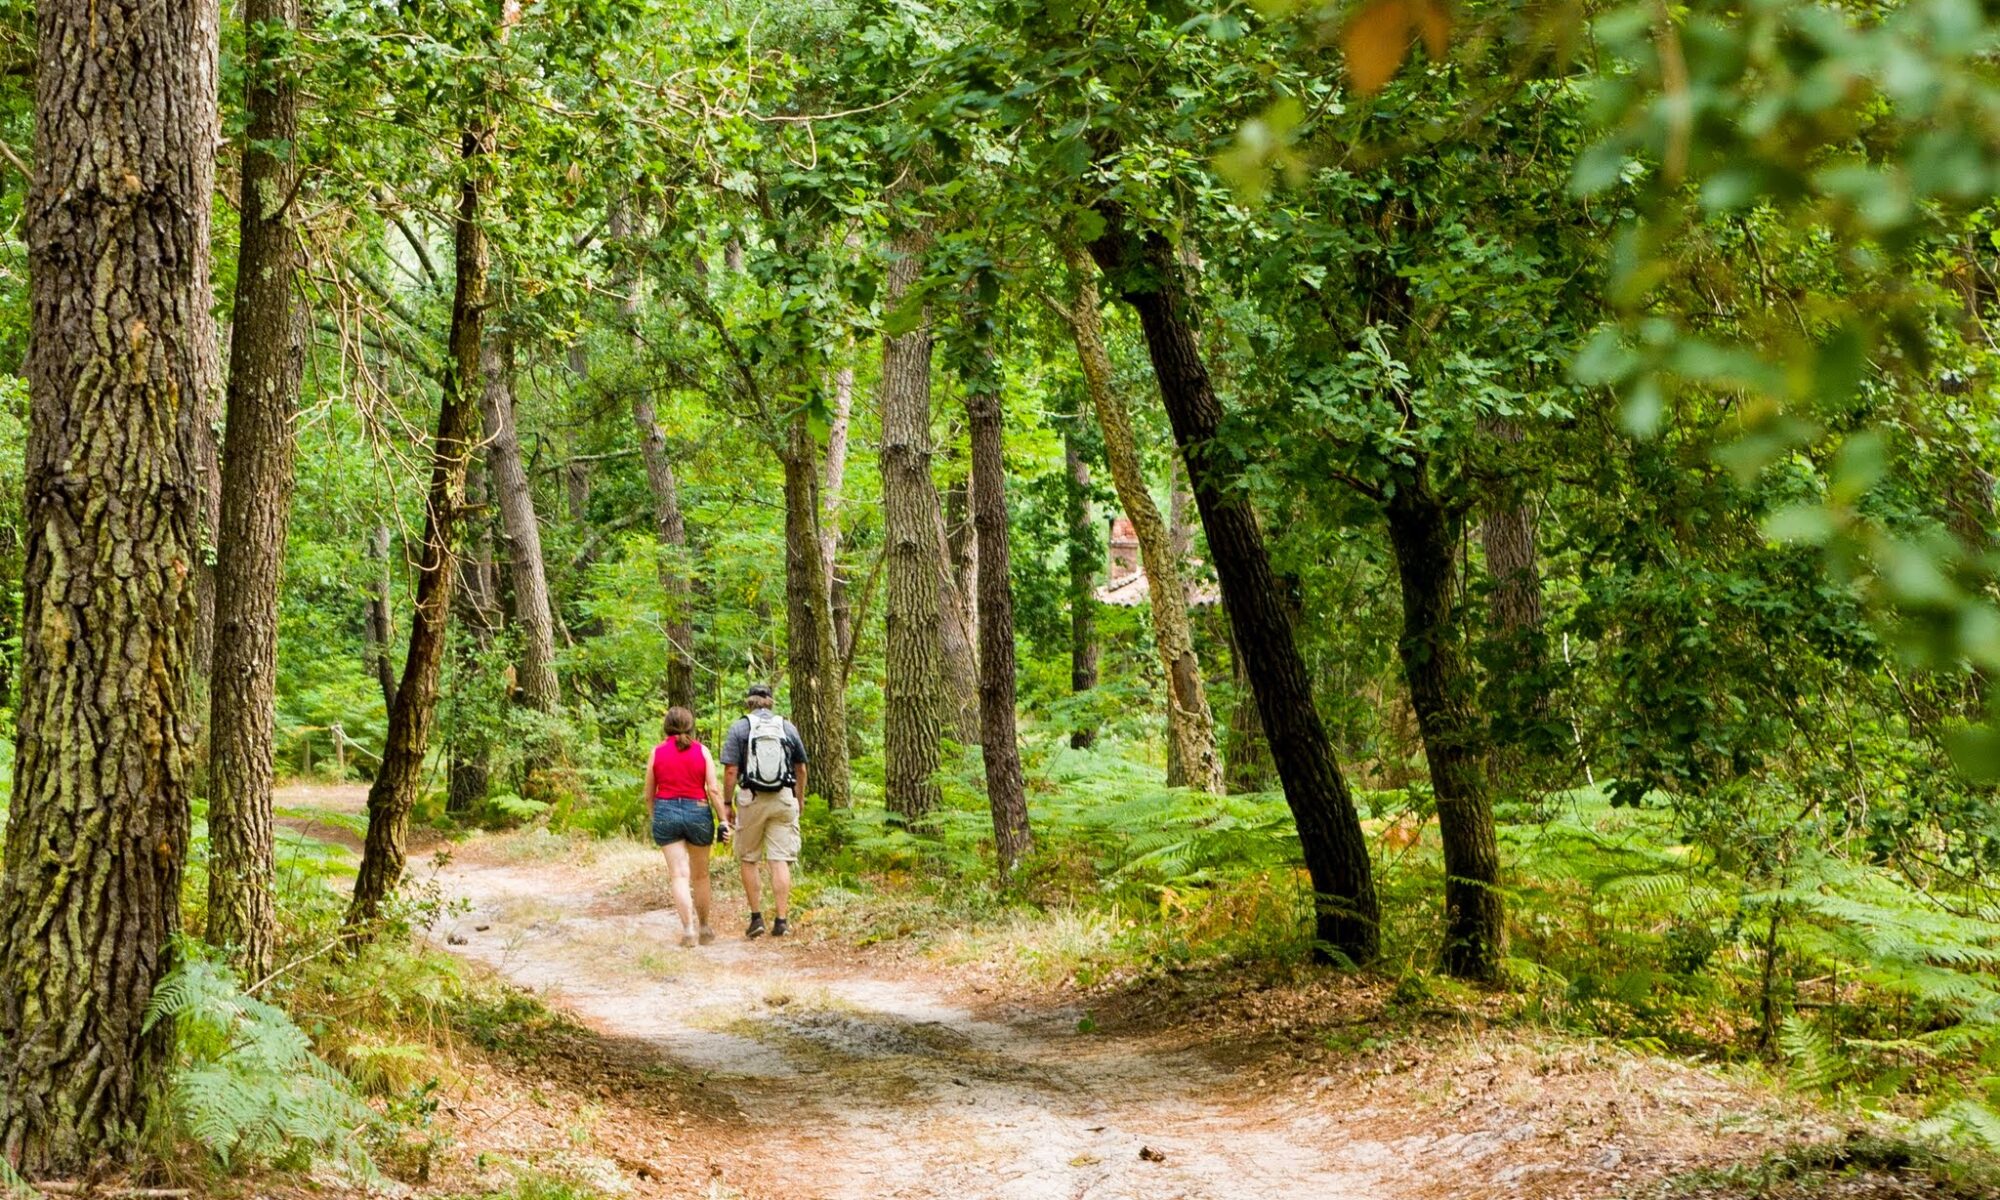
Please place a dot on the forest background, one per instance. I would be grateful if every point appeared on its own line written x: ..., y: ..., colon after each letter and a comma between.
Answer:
x: 1558, y: 442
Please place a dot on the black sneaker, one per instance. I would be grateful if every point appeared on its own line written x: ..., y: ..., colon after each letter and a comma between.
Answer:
x: 756, y: 926
x: 780, y: 927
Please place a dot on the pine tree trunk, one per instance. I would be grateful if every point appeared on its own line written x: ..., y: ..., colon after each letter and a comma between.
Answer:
x: 914, y: 696
x: 1422, y: 535
x: 520, y: 529
x: 1006, y: 793
x: 1084, y: 555
x: 266, y: 356
x: 1146, y: 273
x: 397, y: 782
x: 120, y: 361
x: 819, y: 702
x: 1192, y: 760
x: 381, y: 622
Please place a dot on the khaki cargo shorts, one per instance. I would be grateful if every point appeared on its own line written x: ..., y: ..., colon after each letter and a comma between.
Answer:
x: 767, y: 826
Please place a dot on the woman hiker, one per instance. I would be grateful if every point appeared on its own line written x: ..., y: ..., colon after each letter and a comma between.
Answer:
x: 684, y: 793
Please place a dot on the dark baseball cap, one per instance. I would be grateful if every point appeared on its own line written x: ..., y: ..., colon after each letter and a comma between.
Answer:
x: 758, y: 689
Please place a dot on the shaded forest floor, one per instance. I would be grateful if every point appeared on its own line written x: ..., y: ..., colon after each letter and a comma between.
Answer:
x: 816, y: 1067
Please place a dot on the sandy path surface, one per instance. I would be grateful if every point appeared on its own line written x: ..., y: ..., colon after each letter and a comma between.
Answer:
x: 853, y: 1084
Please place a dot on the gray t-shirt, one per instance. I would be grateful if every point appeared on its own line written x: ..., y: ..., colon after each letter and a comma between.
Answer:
x: 736, y: 743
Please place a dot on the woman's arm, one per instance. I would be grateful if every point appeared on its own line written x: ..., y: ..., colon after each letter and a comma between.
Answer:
x: 714, y: 789
x: 646, y: 797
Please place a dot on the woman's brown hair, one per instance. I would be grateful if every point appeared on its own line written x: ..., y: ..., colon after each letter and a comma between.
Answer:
x: 680, y: 726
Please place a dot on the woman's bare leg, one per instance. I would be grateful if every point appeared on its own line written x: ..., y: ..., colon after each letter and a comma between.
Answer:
x: 677, y: 872
x: 698, y: 873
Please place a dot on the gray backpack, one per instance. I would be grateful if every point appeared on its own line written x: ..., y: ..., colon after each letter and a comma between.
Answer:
x: 767, y: 759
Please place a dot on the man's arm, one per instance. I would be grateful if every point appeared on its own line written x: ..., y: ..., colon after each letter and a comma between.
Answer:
x: 799, y: 783
x: 729, y: 790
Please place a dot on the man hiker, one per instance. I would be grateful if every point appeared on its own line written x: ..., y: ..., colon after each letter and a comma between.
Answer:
x: 763, y: 775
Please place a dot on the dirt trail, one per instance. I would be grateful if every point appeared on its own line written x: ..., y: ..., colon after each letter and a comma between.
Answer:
x: 865, y: 1085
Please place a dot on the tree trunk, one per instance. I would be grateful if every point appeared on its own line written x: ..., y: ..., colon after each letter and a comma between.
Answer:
x: 394, y: 791
x: 1006, y: 793
x: 1192, y: 760
x: 1422, y: 535
x: 961, y: 659
x: 1145, y: 272
x: 520, y: 529
x: 914, y: 697
x: 1247, y: 755
x: 381, y: 618
x: 468, y: 744
x: 1508, y: 537
x: 266, y: 356
x: 120, y: 361
x: 672, y: 530
x: 832, y: 485
x: 1084, y: 555
x: 819, y: 701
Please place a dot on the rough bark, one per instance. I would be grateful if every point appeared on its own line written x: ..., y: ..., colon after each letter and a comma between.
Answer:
x: 1143, y: 269
x: 1192, y: 759
x: 381, y: 620
x: 812, y: 660
x: 1084, y: 555
x: 411, y: 717
x: 120, y: 362
x: 520, y: 530
x: 1006, y: 793
x: 266, y: 356
x: 914, y: 694
x: 1423, y: 536
x: 476, y: 604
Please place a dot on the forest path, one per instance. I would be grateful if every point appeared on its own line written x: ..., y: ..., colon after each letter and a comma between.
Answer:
x: 860, y: 1080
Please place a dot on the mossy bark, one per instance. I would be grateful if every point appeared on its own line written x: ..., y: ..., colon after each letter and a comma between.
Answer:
x: 120, y: 371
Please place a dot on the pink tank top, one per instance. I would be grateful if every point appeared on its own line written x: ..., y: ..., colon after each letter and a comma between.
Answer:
x: 680, y: 774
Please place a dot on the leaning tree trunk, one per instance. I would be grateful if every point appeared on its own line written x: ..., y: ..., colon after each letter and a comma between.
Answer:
x: 397, y: 782
x: 1422, y: 536
x: 1084, y: 554
x: 914, y: 700
x: 1192, y: 760
x: 266, y: 355
x: 120, y: 361
x: 1146, y: 273
x: 1006, y: 793
x: 520, y: 529
x: 812, y: 660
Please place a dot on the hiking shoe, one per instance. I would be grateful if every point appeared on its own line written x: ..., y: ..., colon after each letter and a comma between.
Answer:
x: 707, y: 935
x: 687, y: 939
x: 756, y: 926
x: 780, y: 927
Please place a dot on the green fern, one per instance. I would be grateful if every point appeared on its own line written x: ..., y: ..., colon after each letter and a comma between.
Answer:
x: 246, y: 1083
x: 1816, y: 1062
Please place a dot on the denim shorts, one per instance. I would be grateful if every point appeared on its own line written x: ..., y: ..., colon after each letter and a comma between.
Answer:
x: 690, y: 821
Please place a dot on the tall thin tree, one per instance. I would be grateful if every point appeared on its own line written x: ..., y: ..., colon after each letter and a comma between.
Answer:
x: 1006, y: 793
x: 411, y: 717
x: 266, y: 355
x: 1192, y: 760
x: 1145, y: 271
x: 120, y: 365
x: 1085, y: 553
